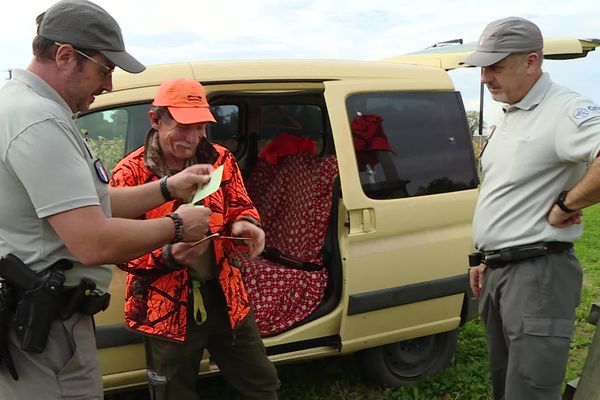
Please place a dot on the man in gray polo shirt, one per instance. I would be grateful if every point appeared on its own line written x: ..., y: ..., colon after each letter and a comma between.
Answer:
x: 55, y: 205
x: 528, y: 212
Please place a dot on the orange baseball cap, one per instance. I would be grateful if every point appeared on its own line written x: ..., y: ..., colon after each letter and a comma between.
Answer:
x: 186, y: 101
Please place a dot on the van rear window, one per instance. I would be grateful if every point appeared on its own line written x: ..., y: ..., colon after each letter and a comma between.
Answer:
x: 411, y: 144
x: 114, y: 133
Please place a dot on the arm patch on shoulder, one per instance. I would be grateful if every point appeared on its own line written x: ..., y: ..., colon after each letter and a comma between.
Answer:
x: 584, y: 112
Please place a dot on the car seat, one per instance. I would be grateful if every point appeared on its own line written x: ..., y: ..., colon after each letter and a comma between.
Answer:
x: 294, y: 200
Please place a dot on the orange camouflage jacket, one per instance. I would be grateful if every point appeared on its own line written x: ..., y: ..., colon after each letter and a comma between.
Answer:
x: 156, y: 296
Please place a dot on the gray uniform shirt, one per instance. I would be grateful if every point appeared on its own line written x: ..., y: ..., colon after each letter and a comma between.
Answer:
x: 539, y: 148
x: 45, y: 169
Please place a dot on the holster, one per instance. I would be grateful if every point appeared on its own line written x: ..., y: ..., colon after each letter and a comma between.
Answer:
x: 35, y: 301
x: 38, y: 307
x: 7, y: 304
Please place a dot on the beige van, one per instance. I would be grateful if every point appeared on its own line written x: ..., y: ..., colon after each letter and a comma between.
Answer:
x: 374, y: 201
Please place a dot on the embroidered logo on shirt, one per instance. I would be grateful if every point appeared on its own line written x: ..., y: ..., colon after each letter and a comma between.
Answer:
x: 584, y: 112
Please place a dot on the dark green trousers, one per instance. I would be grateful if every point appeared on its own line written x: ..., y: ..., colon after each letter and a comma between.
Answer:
x: 240, y: 354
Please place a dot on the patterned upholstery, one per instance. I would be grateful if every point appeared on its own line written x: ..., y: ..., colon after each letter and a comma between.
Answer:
x: 294, y: 200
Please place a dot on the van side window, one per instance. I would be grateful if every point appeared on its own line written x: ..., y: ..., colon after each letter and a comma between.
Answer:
x: 304, y: 120
x: 114, y: 133
x: 411, y: 144
x: 226, y: 131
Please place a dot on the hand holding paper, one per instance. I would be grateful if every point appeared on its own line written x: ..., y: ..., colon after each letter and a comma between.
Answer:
x: 184, y: 184
x: 211, y: 187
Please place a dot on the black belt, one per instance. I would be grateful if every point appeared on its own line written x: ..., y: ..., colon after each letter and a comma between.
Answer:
x: 78, y: 299
x: 499, y: 258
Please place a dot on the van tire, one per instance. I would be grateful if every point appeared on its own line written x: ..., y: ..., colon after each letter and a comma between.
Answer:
x: 408, y: 362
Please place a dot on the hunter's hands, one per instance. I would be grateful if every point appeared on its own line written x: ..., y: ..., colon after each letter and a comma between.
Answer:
x: 188, y: 253
x: 256, y: 243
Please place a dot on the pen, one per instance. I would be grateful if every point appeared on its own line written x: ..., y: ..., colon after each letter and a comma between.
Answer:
x: 217, y: 236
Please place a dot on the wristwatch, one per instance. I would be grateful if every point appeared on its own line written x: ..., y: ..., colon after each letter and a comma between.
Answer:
x: 560, y: 202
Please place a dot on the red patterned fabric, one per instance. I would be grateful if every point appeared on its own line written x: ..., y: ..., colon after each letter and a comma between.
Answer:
x: 284, y: 145
x: 294, y: 200
x: 368, y: 137
x: 281, y: 296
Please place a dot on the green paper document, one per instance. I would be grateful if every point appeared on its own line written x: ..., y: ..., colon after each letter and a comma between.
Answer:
x: 210, y: 187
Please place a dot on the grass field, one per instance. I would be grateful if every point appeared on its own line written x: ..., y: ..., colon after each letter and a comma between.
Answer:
x: 468, y: 376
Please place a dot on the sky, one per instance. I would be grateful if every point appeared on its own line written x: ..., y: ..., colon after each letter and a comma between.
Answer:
x: 163, y: 31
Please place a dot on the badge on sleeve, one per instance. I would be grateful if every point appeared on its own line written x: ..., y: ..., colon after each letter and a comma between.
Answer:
x: 100, y: 171
x: 583, y: 112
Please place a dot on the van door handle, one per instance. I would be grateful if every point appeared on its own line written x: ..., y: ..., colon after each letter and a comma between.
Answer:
x: 368, y: 223
x: 362, y: 220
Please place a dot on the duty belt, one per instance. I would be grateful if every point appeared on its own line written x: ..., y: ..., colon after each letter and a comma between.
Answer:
x: 30, y: 302
x: 499, y: 258
x: 82, y: 299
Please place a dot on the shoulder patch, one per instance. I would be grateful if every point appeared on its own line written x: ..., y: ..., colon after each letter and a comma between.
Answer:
x: 583, y: 112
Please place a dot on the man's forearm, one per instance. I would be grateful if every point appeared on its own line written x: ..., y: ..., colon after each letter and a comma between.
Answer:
x: 94, y: 239
x: 134, y: 201
x: 587, y: 191
x: 126, y: 239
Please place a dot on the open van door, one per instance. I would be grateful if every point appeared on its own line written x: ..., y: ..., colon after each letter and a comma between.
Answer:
x: 408, y: 210
x: 449, y: 54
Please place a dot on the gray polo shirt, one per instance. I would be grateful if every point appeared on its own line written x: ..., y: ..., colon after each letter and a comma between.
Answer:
x: 540, y: 147
x: 45, y: 169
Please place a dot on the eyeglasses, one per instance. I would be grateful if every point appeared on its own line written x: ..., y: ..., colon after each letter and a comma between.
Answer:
x: 107, y: 68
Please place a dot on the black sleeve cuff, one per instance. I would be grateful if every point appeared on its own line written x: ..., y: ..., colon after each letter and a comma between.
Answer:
x: 251, y: 220
x: 168, y: 259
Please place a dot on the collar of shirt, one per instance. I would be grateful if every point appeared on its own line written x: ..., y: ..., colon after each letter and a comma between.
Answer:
x: 41, y: 87
x: 535, y: 95
x: 205, y: 153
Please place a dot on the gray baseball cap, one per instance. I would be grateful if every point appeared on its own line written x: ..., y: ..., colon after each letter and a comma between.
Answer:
x: 86, y: 25
x: 504, y: 37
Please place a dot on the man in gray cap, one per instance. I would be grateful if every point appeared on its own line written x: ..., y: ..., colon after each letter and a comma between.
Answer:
x: 57, y: 234
x: 529, y: 212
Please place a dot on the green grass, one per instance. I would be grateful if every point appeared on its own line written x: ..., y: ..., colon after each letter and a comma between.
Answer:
x: 589, y: 255
x: 467, y: 378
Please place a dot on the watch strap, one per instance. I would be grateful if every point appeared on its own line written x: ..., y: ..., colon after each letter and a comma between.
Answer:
x: 560, y: 202
x: 164, y: 189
